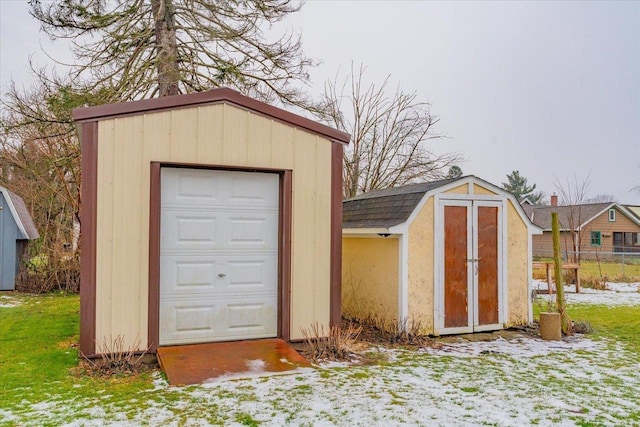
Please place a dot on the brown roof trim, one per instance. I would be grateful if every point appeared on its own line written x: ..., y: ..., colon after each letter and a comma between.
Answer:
x: 88, y: 239
x: 209, y: 97
x: 335, y: 274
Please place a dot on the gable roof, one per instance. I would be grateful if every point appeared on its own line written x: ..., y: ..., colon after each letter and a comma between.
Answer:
x: 634, y: 210
x: 379, y: 210
x: 214, y: 96
x: 388, y: 207
x: 541, y: 215
x: 21, y: 215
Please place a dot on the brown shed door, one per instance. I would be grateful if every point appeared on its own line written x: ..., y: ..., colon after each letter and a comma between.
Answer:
x: 456, y: 292
x: 487, y: 248
x: 470, y: 285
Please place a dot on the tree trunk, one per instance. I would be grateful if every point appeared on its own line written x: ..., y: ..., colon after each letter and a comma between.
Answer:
x: 167, y: 58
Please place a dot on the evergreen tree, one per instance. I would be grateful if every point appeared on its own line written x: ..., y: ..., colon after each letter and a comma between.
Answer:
x: 149, y: 48
x: 454, y: 172
x: 518, y: 186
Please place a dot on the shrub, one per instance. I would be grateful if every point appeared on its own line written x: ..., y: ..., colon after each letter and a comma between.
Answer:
x: 333, y: 344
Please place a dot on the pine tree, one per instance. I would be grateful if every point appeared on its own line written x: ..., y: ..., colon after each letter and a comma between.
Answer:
x: 149, y: 48
x: 518, y: 186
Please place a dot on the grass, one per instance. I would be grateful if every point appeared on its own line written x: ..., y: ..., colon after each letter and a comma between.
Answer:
x: 589, y: 270
x: 40, y: 385
x: 39, y: 356
x: 620, y: 324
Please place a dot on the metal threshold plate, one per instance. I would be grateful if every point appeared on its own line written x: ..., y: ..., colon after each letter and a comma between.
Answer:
x: 209, y: 362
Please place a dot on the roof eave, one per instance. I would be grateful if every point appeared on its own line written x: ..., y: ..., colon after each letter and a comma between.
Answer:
x: 213, y: 96
x: 378, y: 231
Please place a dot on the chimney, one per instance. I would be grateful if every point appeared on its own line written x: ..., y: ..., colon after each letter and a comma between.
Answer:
x: 554, y: 199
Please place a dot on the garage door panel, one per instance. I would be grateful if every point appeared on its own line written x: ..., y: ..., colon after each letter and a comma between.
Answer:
x: 186, y: 187
x: 219, y: 256
x: 191, y: 321
x: 245, y: 190
x: 195, y: 230
x: 257, y: 230
x: 189, y: 274
x: 218, y: 231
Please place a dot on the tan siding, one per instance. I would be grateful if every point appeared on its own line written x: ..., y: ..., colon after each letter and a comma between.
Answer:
x: 602, y: 224
x: 421, y: 261
x: 481, y: 190
x: 461, y: 189
x: 517, y: 280
x: 217, y: 135
x: 309, y: 305
x: 370, y: 278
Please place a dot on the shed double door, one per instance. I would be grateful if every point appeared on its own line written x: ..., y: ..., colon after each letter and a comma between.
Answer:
x: 471, y: 283
x: 218, y: 255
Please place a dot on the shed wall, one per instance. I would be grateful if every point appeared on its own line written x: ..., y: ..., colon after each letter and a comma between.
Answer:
x: 8, y: 236
x: 370, y: 278
x: 517, y: 280
x: 421, y: 261
x: 218, y: 134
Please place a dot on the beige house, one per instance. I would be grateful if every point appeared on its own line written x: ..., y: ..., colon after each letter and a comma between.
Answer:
x: 452, y: 256
x: 603, y: 229
x: 207, y: 217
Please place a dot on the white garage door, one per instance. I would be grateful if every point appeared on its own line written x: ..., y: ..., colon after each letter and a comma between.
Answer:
x: 218, y: 256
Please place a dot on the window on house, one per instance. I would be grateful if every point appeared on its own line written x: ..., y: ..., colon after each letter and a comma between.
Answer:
x: 612, y: 215
x: 626, y: 241
x: 596, y: 238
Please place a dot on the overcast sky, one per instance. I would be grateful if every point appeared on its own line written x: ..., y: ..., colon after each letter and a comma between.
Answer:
x: 551, y: 89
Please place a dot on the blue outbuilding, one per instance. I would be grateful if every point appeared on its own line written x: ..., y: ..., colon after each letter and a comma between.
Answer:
x: 16, y: 229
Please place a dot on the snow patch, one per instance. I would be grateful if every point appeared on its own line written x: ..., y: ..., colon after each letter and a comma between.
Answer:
x: 517, y: 347
x: 617, y: 294
x: 8, y: 302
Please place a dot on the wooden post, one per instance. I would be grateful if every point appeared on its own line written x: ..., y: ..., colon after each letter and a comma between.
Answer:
x: 557, y: 259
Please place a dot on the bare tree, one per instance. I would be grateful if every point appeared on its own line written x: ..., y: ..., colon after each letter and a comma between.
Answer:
x: 40, y: 161
x: 636, y: 189
x: 389, y: 133
x: 148, y: 48
x: 602, y: 198
x: 573, y: 194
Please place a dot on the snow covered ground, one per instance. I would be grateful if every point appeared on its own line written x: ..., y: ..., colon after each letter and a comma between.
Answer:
x: 504, y: 382
x: 8, y: 301
x: 616, y: 294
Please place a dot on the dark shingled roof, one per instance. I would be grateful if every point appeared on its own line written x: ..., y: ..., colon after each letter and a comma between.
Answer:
x: 541, y: 215
x: 386, y: 208
x: 24, y: 217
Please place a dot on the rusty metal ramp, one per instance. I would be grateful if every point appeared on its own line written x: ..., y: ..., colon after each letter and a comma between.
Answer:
x: 202, y: 363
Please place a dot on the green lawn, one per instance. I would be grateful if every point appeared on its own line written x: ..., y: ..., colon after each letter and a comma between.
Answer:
x: 594, y: 385
x: 615, y: 272
x: 39, y: 356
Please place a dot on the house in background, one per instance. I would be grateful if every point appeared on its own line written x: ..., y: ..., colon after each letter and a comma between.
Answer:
x: 16, y: 229
x: 450, y: 256
x: 602, y: 229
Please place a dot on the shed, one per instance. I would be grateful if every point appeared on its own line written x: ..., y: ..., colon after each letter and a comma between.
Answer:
x: 443, y: 257
x: 16, y: 229
x: 207, y: 217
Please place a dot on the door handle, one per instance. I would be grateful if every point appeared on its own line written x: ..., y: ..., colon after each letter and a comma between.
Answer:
x: 473, y: 259
x: 222, y: 275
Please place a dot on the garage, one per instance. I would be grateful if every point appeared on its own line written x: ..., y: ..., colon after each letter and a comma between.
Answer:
x: 206, y: 218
